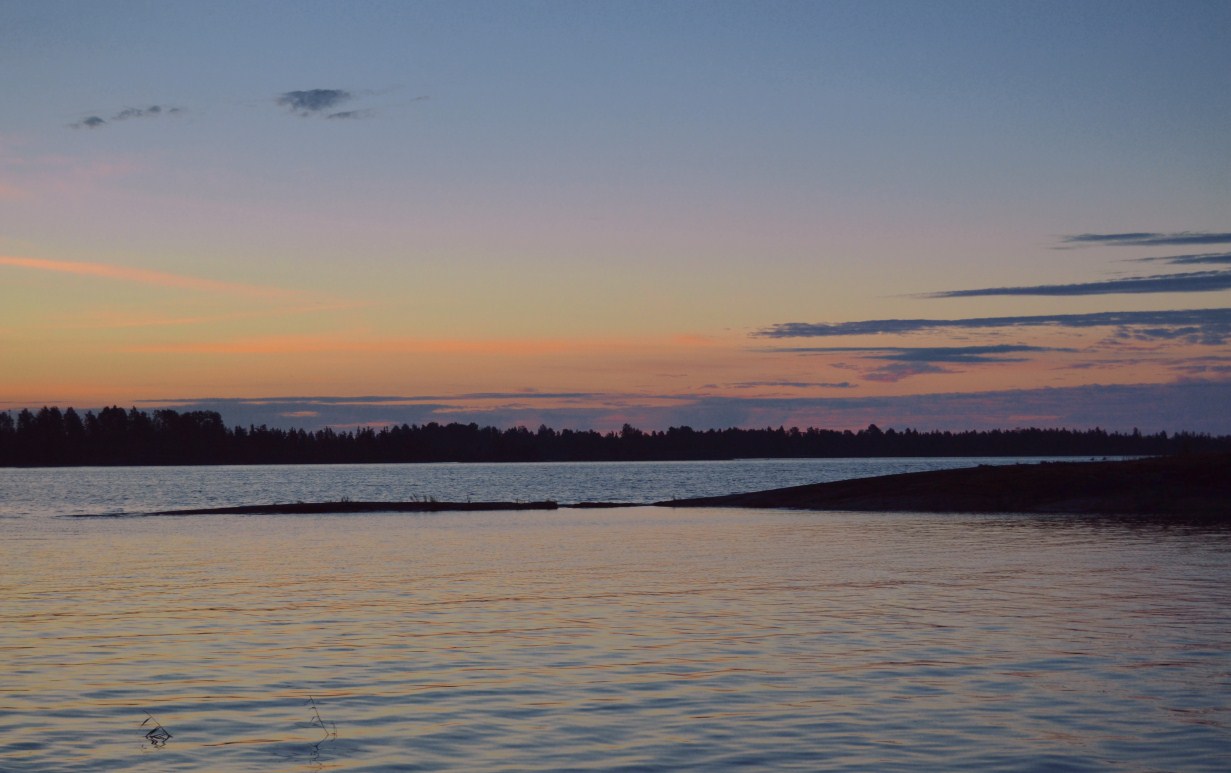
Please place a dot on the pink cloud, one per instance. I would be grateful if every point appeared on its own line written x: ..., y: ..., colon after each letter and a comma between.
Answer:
x: 361, y: 342
x: 62, y: 175
x: 118, y: 320
x: 143, y: 276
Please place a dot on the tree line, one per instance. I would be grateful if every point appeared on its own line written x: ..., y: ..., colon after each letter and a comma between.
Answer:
x: 115, y: 436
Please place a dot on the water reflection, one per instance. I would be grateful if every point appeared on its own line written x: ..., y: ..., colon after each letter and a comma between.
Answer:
x: 639, y: 638
x: 329, y: 730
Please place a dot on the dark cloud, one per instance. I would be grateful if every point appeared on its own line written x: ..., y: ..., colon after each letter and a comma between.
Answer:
x: 145, y: 112
x: 959, y: 354
x: 1214, y: 325
x: 967, y: 354
x: 1198, y: 281
x: 1193, y: 282
x: 1189, y: 260
x: 313, y: 101
x: 1145, y: 239
x: 127, y: 114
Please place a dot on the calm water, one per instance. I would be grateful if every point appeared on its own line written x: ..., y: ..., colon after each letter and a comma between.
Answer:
x: 41, y: 492
x: 631, y: 639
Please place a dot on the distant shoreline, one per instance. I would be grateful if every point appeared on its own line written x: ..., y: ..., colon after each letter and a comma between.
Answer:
x: 118, y: 437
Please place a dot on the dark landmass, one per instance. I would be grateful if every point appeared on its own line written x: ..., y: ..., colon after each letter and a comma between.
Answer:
x: 348, y: 506
x: 115, y: 436
x: 1178, y: 485
x: 343, y: 506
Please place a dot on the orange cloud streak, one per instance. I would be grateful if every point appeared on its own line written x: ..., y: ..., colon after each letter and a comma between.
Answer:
x: 143, y: 276
x: 299, y: 344
x: 113, y: 320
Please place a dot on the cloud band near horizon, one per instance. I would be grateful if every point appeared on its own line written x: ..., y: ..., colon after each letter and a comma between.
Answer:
x: 1212, y: 321
x: 1192, y: 282
x: 1144, y: 239
x: 1174, y: 407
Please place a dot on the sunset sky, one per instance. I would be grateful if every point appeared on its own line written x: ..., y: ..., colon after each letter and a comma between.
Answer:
x: 930, y: 214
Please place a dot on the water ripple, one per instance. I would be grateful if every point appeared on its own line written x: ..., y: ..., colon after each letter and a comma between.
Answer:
x: 637, y: 639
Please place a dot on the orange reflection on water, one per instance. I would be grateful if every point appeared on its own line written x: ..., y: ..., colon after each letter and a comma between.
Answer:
x: 631, y: 637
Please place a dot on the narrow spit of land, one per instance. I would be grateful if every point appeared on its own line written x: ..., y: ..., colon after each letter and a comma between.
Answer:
x: 350, y: 506
x: 1173, y: 485
x: 1196, y: 485
x: 347, y: 506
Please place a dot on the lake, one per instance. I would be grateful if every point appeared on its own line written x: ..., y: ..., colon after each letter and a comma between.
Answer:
x: 636, y: 638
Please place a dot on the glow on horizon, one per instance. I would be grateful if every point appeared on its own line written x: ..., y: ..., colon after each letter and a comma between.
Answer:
x: 609, y: 202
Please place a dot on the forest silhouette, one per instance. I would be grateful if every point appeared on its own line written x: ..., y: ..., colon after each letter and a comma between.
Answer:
x: 115, y: 436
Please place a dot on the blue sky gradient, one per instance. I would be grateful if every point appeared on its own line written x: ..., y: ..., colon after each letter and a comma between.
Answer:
x: 235, y: 200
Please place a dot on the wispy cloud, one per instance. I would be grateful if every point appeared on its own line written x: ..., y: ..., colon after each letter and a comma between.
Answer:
x: 362, y: 341
x: 1145, y: 239
x: 33, y: 175
x: 1192, y: 282
x: 1205, y: 367
x: 319, y: 102
x: 112, y: 320
x: 899, y: 371
x: 1204, y: 258
x: 143, y: 276
x: 327, y: 103
x: 966, y: 354
x: 298, y: 402
x: 126, y: 114
x: 145, y: 112
x: 350, y: 115
x: 790, y: 385
x: 1208, y: 325
x: 904, y: 362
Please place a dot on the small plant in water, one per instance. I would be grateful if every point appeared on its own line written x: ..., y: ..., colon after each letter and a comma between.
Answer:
x: 330, y: 729
x: 157, y: 735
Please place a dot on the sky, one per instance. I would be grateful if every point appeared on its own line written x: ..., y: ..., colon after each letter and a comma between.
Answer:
x: 942, y: 215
